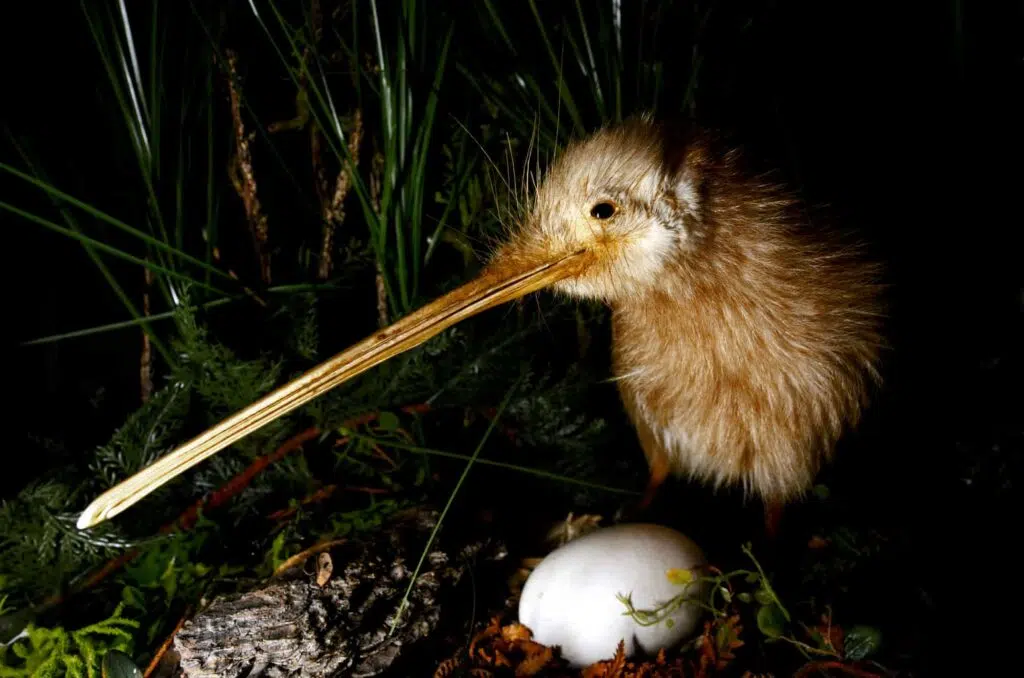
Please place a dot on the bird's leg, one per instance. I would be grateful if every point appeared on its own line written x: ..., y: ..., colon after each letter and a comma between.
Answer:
x: 772, y: 518
x: 655, y: 454
x: 658, y: 465
x: 658, y: 474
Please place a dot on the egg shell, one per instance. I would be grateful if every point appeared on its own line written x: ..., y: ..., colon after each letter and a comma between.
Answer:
x: 570, y: 599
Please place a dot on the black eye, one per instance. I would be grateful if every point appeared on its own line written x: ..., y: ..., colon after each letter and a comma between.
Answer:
x: 602, y: 210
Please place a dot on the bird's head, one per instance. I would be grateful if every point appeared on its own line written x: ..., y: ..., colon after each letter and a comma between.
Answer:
x: 630, y: 196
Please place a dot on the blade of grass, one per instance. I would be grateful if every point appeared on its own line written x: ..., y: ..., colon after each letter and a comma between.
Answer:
x: 110, y: 327
x: 563, y: 90
x: 421, y: 154
x: 104, y: 271
x: 451, y: 500
x: 154, y: 78
x: 387, y: 95
x: 134, y: 119
x: 103, y: 216
x: 591, y: 62
x: 210, y: 231
x: 464, y: 174
x: 540, y: 473
x: 109, y: 249
x: 123, y: 324
x: 497, y: 23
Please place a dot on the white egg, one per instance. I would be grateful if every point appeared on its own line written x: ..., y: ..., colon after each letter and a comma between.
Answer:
x: 572, y: 598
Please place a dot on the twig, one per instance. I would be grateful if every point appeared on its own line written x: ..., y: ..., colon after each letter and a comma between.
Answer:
x: 321, y: 494
x: 245, y: 179
x: 381, y: 454
x: 166, y: 644
x: 367, y: 490
x: 242, y: 480
x: 451, y: 498
x: 303, y: 555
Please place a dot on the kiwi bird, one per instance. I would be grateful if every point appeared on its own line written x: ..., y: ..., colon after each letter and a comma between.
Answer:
x: 745, y: 339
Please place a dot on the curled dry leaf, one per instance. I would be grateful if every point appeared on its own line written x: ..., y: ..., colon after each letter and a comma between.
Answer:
x: 536, y: 660
x: 497, y: 648
x: 324, y: 568
x: 613, y: 668
x: 448, y: 667
x: 515, y: 633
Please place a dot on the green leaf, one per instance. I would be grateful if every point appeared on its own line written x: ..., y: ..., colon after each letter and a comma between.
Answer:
x: 744, y: 597
x: 821, y: 492
x: 762, y: 596
x: 861, y: 642
x: 388, y: 421
x: 119, y: 665
x: 133, y: 597
x: 771, y: 621
x: 752, y: 578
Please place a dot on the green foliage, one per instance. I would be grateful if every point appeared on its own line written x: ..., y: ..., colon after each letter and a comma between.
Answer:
x: 145, y: 436
x: 862, y: 642
x: 225, y: 383
x: 55, y: 652
x: 37, y: 527
x: 771, y: 621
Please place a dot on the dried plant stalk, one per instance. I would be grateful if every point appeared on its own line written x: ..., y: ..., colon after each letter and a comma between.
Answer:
x: 334, y: 210
x: 376, y: 174
x: 243, y: 176
x: 146, y: 359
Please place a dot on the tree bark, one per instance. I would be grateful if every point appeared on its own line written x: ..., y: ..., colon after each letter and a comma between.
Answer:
x: 294, y: 627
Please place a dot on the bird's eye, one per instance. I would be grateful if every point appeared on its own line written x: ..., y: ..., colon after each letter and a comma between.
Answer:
x: 602, y: 210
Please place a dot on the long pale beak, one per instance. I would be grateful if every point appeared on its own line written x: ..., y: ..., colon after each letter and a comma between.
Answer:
x: 496, y: 285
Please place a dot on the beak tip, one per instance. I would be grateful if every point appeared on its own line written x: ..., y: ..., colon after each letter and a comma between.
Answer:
x: 88, y: 518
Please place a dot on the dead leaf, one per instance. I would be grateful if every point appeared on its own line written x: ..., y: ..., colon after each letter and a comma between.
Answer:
x: 501, y: 660
x: 324, y: 568
x: 447, y: 667
x: 535, y: 661
x: 618, y: 664
x: 300, y: 558
x: 612, y: 668
x: 571, y: 528
x: 515, y: 633
x: 493, y: 629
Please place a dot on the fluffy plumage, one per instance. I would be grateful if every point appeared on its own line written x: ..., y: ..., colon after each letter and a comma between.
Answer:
x: 745, y: 338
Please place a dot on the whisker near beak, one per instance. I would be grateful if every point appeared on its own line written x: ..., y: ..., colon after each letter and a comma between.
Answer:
x: 498, y: 284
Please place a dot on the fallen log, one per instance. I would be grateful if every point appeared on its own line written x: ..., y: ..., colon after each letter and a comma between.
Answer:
x: 333, y: 615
